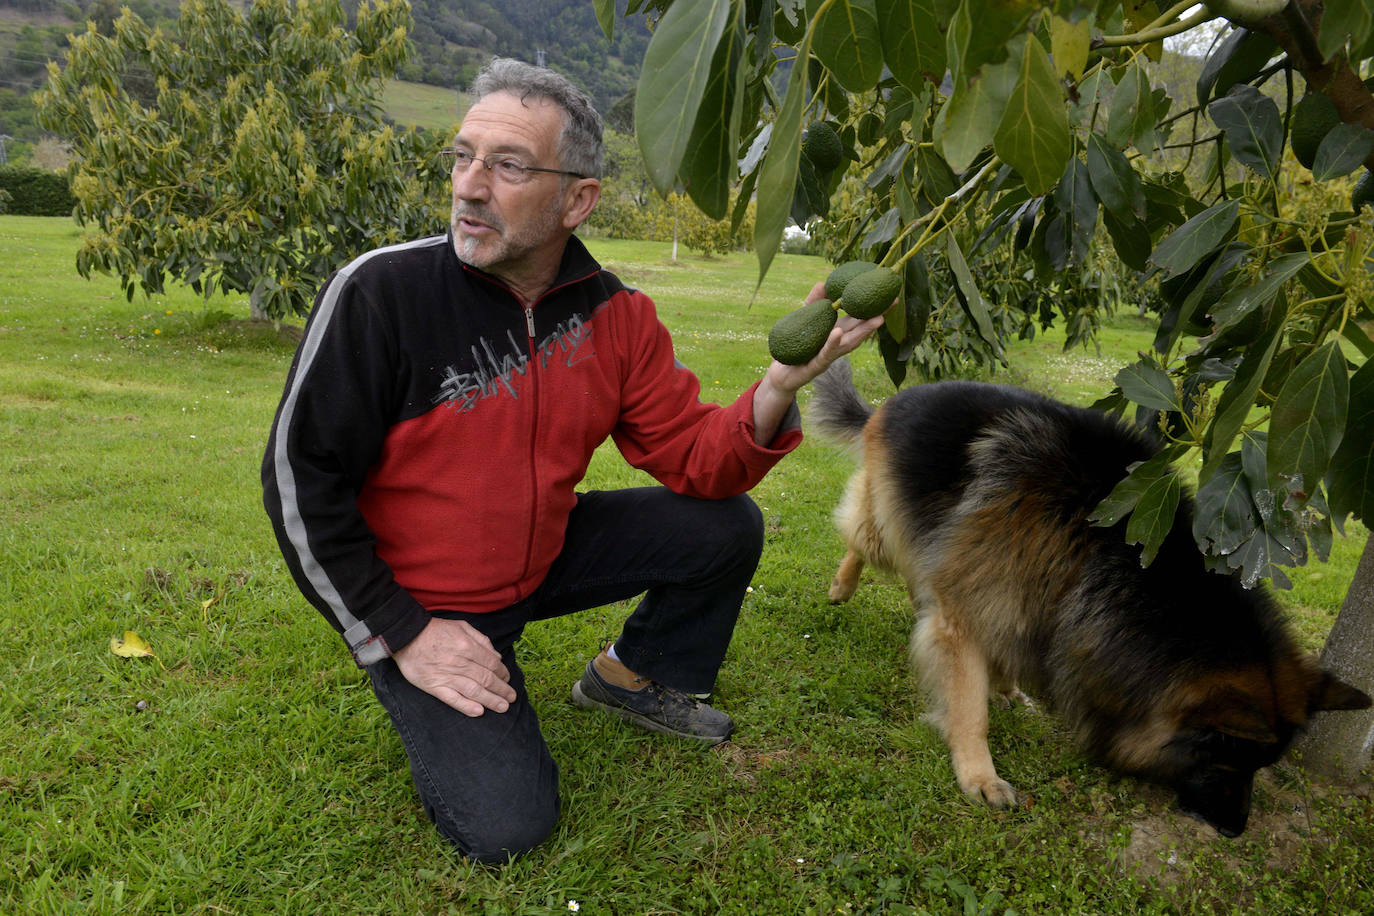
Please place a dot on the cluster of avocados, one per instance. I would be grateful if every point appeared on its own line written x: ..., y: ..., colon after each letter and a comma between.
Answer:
x: 861, y: 288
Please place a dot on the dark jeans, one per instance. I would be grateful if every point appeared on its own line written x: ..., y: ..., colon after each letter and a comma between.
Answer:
x: 489, y: 783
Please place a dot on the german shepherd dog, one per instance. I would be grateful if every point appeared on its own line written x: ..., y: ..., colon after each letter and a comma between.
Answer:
x: 978, y: 496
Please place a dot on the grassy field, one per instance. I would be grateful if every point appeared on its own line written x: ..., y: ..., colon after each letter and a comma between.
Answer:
x: 419, y: 105
x: 246, y: 769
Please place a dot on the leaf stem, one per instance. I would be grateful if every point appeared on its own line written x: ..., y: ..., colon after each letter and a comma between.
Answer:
x: 1152, y: 34
x: 931, y: 218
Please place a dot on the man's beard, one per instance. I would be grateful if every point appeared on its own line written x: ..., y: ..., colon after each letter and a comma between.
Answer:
x: 503, y: 248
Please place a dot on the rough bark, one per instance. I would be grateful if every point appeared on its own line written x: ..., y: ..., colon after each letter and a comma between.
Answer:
x: 1337, y: 744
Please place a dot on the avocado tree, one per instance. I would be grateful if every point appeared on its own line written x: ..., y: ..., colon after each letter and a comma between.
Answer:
x: 1000, y: 143
x: 246, y: 153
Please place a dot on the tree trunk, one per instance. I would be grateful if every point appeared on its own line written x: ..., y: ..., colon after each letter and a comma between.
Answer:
x: 1337, y: 744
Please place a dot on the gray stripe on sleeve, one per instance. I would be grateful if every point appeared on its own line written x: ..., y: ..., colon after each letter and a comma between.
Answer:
x: 356, y: 631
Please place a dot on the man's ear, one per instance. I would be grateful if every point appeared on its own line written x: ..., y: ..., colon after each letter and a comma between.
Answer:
x: 579, y: 200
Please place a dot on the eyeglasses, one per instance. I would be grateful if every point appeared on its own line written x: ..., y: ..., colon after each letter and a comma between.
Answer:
x: 507, y: 168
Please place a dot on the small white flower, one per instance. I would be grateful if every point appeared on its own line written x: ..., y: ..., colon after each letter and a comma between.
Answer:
x: 806, y: 636
x: 574, y: 906
x: 750, y: 589
x: 800, y: 860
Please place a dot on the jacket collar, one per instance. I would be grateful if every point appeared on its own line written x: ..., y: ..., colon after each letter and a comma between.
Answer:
x: 576, y: 266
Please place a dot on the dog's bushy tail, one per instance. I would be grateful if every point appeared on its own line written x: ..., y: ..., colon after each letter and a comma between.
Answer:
x: 836, y: 411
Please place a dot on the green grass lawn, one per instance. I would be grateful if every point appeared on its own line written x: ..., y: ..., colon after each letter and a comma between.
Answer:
x: 247, y: 769
x: 420, y: 105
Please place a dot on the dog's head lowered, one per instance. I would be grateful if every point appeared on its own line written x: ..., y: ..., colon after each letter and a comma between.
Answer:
x: 1225, y: 726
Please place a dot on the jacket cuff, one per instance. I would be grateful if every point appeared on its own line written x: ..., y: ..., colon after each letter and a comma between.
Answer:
x: 387, y: 630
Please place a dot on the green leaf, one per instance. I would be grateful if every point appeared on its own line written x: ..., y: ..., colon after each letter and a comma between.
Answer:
x: 672, y: 81
x: 1350, y: 478
x: 1343, y: 20
x: 1309, y: 418
x: 1093, y: 91
x: 913, y: 45
x: 1344, y: 149
x: 1201, y: 235
x: 1224, y: 517
x: 1033, y: 136
x: 1075, y: 199
x: 1239, y: 301
x: 937, y: 179
x: 1130, y: 239
x: 1356, y: 335
x: 1147, y: 384
x: 1238, y: 59
x: 1116, y: 183
x: 969, y: 297
x: 1069, y: 43
x: 605, y: 17
x: 1230, y: 522
x: 1153, y: 517
x: 968, y: 121
x: 1132, y: 112
x: 1253, y: 126
x: 847, y: 40
x: 894, y: 356
x: 1238, y: 398
x: 1145, y: 478
x: 708, y: 164
x: 778, y: 172
x: 984, y: 32
x: 884, y: 229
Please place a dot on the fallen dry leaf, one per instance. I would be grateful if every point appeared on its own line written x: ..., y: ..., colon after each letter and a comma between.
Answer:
x: 131, y: 645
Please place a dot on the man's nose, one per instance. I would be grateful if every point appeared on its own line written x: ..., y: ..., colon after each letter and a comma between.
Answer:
x: 473, y: 182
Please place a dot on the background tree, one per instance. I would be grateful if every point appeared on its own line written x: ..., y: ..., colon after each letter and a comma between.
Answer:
x: 997, y: 140
x: 259, y: 161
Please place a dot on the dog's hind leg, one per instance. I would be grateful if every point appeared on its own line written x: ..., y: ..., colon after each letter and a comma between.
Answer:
x: 956, y: 674
x: 846, y: 580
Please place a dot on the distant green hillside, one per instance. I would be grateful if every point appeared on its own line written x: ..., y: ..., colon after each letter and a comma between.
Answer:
x: 453, y: 38
x: 450, y: 40
x: 418, y: 105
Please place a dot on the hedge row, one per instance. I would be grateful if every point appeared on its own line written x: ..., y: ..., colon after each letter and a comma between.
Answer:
x: 36, y: 192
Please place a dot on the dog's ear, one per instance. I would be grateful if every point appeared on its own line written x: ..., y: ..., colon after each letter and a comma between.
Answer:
x: 1232, y: 712
x: 1330, y: 692
x: 1244, y: 720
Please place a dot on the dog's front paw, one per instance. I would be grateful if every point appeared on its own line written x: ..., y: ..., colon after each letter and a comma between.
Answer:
x: 991, y: 791
x: 842, y: 590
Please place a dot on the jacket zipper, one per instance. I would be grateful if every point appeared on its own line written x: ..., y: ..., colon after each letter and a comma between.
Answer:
x: 534, y: 442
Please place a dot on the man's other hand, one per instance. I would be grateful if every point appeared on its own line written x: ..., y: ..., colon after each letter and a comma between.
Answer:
x: 454, y: 662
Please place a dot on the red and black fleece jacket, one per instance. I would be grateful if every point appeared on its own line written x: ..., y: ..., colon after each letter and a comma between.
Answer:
x: 432, y: 431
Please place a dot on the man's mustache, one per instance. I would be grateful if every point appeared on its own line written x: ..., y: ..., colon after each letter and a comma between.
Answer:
x: 477, y: 215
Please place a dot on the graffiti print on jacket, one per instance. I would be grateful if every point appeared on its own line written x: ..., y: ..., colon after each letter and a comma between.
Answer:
x: 492, y: 372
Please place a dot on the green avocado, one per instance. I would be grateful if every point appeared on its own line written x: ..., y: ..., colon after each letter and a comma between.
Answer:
x: 798, y: 336
x: 839, y: 277
x: 871, y: 292
x: 823, y: 147
x: 1313, y: 118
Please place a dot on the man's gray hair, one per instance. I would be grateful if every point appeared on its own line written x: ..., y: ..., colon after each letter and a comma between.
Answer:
x: 580, y: 148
